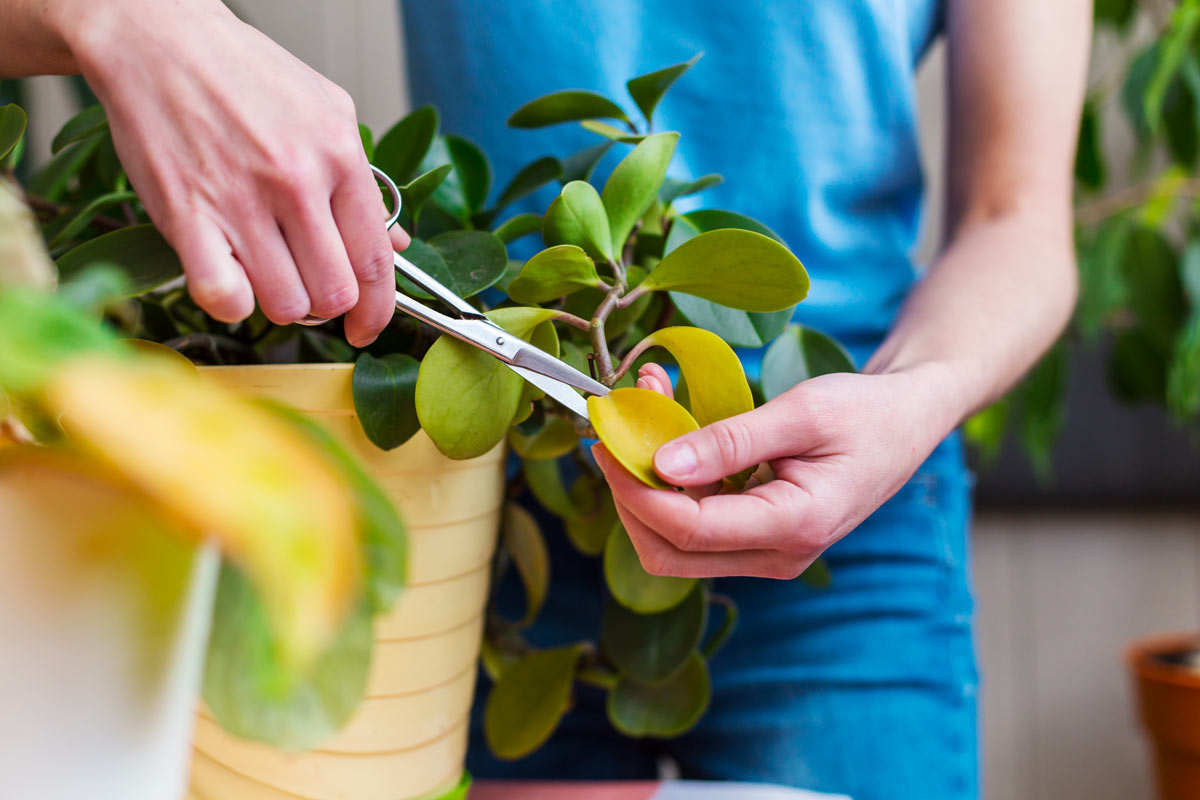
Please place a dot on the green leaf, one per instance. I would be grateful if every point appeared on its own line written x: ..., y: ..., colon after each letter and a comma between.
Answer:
x: 251, y: 690
x: 516, y: 227
x: 70, y: 225
x: 611, y: 132
x: 140, y: 252
x: 580, y: 166
x: 414, y: 193
x: 86, y: 123
x: 673, y: 189
x: 1138, y: 368
x: 1189, y: 271
x: 556, y: 438
x: 662, y: 710
x: 1174, y: 47
x: 817, y: 576
x: 546, y: 483
x: 651, y: 648
x: 565, y: 106
x: 368, y: 140
x: 531, y: 178
x: 703, y: 220
x: 735, y: 268
x: 594, y: 515
x: 526, y: 546
x: 553, y: 273
x: 385, y: 398
x: 1089, y: 154
x: 401, y: 150
x: 633, y: 185
x: 647, y: 90
x: 1116, y: 13
x: 632, y: 586
x: 1183, y: 373
x: 526, y: 704
x: 466, y: 399
x: 577, y: 216
x: 12, y: 129
x: 465, y: 189
x: 985, y: 429
x: 1181, y: 115
x: 1155, y: 292
x: 1043, y: 408
x: 51, y: 180
x: 466, y: 262
x: 1102, y: 289
x: 799, y: 354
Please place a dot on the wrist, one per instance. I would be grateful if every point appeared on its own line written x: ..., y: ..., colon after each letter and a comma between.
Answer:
x: 938, y: 391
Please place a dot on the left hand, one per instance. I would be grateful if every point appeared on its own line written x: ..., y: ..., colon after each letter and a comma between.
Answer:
x: 839, y: 446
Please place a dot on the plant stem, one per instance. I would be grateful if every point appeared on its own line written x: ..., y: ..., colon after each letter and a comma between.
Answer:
x: 572, y: 320
x: 600, y: 338
x: 54, y: 209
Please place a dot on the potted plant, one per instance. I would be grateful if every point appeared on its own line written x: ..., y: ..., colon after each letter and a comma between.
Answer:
x: 623, y: 276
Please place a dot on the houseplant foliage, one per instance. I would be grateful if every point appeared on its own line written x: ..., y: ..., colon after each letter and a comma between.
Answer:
x: 1137, y: 229
x: 622, y: 277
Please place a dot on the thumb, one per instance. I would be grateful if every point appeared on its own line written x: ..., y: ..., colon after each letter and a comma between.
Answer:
x: 730, y: 446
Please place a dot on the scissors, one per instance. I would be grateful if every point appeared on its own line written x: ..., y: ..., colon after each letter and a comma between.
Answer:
x: 466, y: 323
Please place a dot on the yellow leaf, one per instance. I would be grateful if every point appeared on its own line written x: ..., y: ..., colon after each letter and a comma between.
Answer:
x: 230, y: 471
x: 634, y: 423
x: 716, y: 382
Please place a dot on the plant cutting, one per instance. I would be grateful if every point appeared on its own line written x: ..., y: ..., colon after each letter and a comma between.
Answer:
x: 623, y: 276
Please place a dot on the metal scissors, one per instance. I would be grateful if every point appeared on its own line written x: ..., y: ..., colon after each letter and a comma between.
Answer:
x: 554, y: 377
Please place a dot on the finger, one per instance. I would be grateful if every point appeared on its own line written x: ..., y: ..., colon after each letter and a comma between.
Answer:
x: 731, y: 445
x: 660, y: 557
x: 775, y: 516
x: 271, y: 270
x: 215, y: 280
x: 316, y: 247
x: 655, y: 379
x: 400, y: 238
x: 356, y: 209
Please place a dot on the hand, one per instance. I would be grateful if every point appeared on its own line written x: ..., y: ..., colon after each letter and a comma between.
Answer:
x: 247, y: 160
x: 838, y: 447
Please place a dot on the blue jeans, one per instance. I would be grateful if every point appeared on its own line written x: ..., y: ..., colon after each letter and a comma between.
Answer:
x: 866, y: 688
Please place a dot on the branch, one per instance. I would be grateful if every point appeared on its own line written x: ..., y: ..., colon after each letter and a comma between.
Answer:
x: 1102, y: 208
x: 600, y: 338
x: 571, y: 319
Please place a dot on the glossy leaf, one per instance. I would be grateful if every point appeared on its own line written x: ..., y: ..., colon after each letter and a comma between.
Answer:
x: 650, y: 648
x: 662, y: 710
x: 799, y: 354
x: 717, y: 386
x: 611, y: 132
x: 735, y: 268
x: 553, y: 273
x: 252, y: 691
x: 531, y: 178
x: 565, y: 106
x: 556, y: 438
x: 139, y: 252
x: 466, y: 262
x: 12, y: 129
x: 516, y: 227
x: 416, y: 192
x: 632, y: 586
x: 647, y: 90
x: 633, y: 185
x: 87, y: 122
x: 594, y: 515
x: 577, y: 217
x: 69, y: 226
x: 634, y: 423
x: 526, y: 547
x: 50, y: 182
x: 385, y: 398
x: 526, y: 704
x: 579, y: 166
x: 401, y: 150
x: 466, y: 399
x: 673, y: 189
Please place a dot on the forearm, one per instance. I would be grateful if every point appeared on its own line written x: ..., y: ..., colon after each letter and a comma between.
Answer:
x: 32, y: 41
x: 992, y: 303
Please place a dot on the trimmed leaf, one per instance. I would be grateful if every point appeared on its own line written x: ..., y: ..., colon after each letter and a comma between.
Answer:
x: 662, y: 710
x: 526, y: 546
x: 526, y: 704
x: 735, y: 268
x: 139, y: 252
x: 634, y: 423
x: 799, y: 354
x: 647, y: 90
x: 401, y: 150
x: 577, y: 216
x: 717, y: 386
x: 466, y: 262
x: 565, y: 106
x: 385, y: 398
x: 650, y: 648
x: 13, y: 121
x: 632, y: 586
x: 553, y: 273
x: 633, y: 185
x: 531, y: 178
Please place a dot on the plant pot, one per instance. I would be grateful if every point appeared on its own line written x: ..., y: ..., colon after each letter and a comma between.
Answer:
x: 104, y: 622
x: 1168, y: 694
x: 408, y: 737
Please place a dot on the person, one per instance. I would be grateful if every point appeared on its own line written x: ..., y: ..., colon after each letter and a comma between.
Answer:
x: 249, y: 163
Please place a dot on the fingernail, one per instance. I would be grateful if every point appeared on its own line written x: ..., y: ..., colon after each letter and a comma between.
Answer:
x: 678, y: 459
x: 642, y: 383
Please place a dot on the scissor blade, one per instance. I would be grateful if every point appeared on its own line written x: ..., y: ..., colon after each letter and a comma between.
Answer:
x: 539, y: 361
x: 559, y: 391
x: 432, y: 285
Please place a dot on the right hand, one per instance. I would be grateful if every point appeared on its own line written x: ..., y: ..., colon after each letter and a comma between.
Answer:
x: 247, y: 160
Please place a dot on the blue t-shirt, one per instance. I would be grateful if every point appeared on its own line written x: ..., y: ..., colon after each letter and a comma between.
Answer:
x: 806, y: 108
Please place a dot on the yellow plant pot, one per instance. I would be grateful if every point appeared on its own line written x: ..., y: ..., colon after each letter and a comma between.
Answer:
x: 408, y: 737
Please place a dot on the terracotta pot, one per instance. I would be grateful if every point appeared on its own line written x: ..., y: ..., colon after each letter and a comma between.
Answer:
x: 408, y: 737
x: 1169, y: 703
